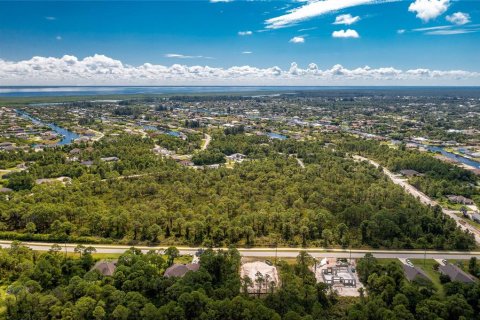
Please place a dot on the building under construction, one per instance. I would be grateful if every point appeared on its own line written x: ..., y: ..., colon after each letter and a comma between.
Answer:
x: 339, y: 274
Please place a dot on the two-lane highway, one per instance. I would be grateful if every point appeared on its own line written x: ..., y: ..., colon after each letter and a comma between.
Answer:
x: 270, y: 252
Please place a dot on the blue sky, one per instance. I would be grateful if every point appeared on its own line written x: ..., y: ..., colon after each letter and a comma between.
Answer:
x: 261, y: 34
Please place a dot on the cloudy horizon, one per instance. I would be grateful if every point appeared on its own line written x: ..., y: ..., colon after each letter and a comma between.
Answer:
x: 102, y: 70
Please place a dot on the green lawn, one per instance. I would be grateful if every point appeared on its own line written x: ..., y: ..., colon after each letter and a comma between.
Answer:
x: 97, y: 256
x: 388, y: 260
x: 427, y: 266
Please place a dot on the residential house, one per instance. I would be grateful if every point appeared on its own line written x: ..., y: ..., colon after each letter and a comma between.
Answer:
x: 459, y: 199
x: 455, y: 273
x: 5, y: 145
x: 106, y: 268
x: 109, y: 159
x: 75, y: 151
x: 179, y: 270
x: 237, y: 157
x: 412, y: 273
x: 410, y: 173
x: 87, y: 163
x: 476, y: 217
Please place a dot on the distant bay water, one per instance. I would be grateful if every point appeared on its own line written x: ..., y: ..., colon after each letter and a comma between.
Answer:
x: 120, y: 90
x: 59, y: 91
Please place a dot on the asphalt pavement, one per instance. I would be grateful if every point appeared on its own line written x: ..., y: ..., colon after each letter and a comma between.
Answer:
x: 271, y: 252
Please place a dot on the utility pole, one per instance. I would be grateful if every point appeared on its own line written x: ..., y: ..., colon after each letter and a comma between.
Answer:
x: 276, y: 249
x: 424, y: 256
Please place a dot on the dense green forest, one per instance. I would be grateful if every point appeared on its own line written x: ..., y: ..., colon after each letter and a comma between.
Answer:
x: 268, y: 200
x: 52, y: 286
x: 208, y: 157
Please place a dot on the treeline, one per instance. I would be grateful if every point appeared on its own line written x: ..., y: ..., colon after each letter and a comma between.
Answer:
x: 207, y: 157
x: 391, y: 296
x: 192, y: 124
x: 54, y: 286
x: 133, y: 111
x: 234, y: 130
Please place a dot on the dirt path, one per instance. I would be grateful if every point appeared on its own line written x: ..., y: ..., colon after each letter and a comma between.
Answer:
x: 208, y: 138
x: 300, y: 162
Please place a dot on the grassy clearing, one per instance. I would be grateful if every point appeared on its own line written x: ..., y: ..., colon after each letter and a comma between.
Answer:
x: 427, y: 266
x: 290, y: 261
x: 114, y: 256
x: 387, y: 261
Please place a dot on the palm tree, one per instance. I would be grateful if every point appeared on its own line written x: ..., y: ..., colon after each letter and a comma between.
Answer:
x: 246, y: 283
x: 259, y: 280
x: 267, y: 281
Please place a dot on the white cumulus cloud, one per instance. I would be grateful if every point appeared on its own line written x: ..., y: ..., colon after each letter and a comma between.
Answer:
x: 314, y: 8
x: 247, y: 52
x: 449, y: 29
x: 182, y: 56
x: 245, y: 33
x: 429, y: 9
x: 103, y: 70
x: 346, y: 19
x: 458, y: 18
x: 449, y: 32
x: 349, y: 33
x: 297, y: 40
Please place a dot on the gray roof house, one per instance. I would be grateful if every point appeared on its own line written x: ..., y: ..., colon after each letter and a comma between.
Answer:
x: 179, y: 270
x: 410, y: 173
x: 412, y: 273
x: 107, y: 268
x: 456, y: 274
x: 237, y: 157
x: 476, y: 217
x: 75, y: 151
x: 459, y: 199
x: 110, y: 159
